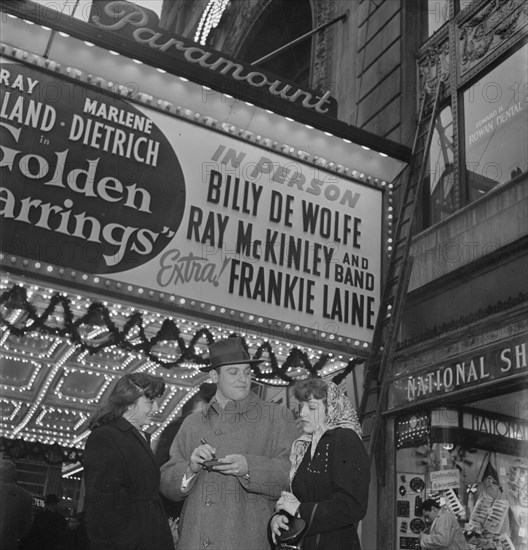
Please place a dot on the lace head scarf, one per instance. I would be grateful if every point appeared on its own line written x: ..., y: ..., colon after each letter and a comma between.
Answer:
x: 339, y: 414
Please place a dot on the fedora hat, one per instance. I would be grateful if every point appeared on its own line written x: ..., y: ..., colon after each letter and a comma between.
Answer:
x: 228, y: 352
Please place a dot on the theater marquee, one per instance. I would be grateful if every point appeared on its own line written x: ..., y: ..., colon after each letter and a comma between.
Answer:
x: 150, y: 203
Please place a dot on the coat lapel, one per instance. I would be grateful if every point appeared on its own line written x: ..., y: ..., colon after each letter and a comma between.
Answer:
x: 124, y: 425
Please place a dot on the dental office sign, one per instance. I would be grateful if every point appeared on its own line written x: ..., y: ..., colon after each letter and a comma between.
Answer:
x: 100, y: 186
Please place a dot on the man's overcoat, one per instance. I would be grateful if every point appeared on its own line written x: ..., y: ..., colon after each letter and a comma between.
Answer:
x: 225, y: 512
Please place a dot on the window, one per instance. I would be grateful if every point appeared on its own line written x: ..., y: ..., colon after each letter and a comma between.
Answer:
x: 282, y: 22
x: 440, y: 175
x: 496, y: 126
x: 437, y: 15
x: 473, y: 458
x: 463, y: 4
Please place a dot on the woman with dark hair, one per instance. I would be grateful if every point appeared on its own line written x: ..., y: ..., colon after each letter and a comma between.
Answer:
x: 330, y: 470
x: 123, y: 504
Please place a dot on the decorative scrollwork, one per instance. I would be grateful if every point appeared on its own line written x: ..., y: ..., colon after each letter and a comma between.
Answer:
x: 489, y: 28
x: 434, y: 65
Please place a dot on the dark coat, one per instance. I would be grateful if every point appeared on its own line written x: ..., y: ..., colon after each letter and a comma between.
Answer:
x: 172, y: 509
x: 76, y: 539
x: 123, y: 505
x: 16, y: 512
x: 337, y: 478
x: 47, y: 532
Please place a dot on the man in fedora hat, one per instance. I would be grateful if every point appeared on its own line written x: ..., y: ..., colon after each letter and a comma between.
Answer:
x: 228, y: 505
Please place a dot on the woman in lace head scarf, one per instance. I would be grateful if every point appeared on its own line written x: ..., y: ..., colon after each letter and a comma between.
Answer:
x: 329, y: 470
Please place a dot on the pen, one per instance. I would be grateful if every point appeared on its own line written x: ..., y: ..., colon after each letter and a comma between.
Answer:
x: 204, y: 442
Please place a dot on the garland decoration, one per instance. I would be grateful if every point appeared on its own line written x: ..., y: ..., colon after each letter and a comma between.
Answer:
x: 95, y: 331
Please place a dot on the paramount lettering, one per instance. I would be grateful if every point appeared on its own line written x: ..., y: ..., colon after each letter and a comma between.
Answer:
x: 208, y: 60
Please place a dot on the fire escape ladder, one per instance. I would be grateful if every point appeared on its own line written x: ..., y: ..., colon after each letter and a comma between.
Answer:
x: 386, y: 330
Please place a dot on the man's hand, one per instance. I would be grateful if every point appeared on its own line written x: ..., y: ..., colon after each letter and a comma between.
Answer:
x: 201, y: 453
x: 234, y: 465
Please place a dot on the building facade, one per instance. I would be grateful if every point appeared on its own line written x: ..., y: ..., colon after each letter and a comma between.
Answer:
x: 158, y: 194
x: 455, y: 420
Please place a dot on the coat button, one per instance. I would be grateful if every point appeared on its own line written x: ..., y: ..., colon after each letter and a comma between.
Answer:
x: 208, y: 502
x: 218, y: 432
x: 206, y: 542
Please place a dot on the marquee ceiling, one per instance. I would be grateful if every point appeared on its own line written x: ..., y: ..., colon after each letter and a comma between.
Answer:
x: 51, y: 384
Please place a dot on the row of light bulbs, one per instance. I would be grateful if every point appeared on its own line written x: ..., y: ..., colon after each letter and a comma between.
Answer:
x: 178, y: 110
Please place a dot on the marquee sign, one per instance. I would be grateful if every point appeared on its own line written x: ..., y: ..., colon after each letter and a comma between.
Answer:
x: 138, y: 25
x: 35, y: 33
x: 146, y: 201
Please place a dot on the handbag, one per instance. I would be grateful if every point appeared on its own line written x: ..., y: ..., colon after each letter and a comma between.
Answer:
x: 293, y: 537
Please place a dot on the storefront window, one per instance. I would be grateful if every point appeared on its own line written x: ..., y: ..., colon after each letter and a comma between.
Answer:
x: 470, y: 460
x: 440, y: 177
x: 496, y: 126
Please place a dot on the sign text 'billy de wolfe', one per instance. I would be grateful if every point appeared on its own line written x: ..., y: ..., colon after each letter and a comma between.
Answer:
x: 255, y: 253
x: 134, y: 23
